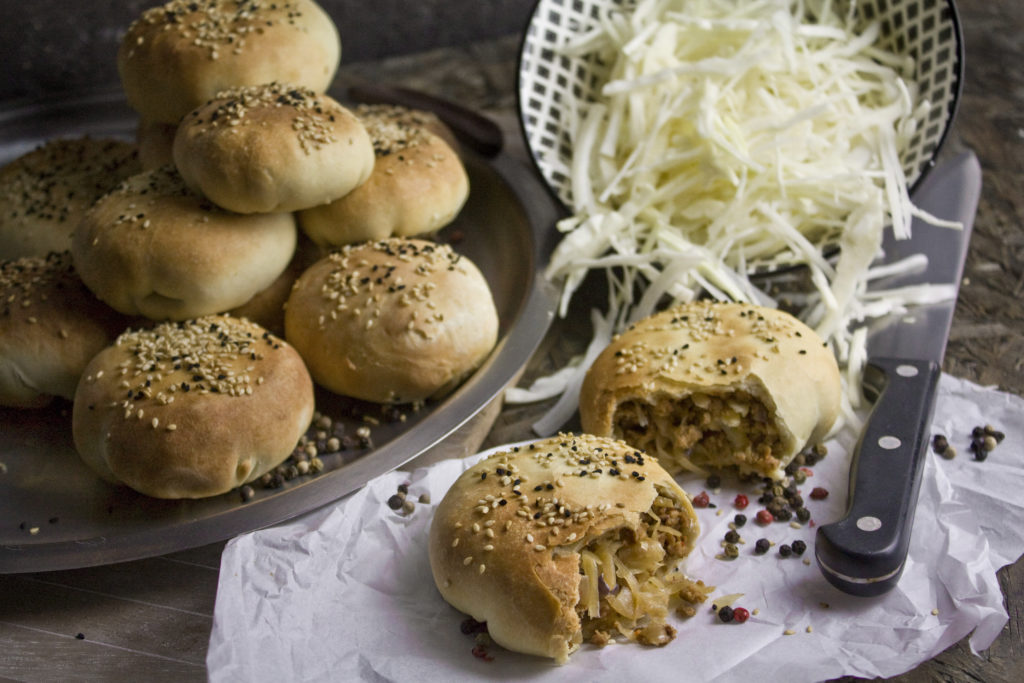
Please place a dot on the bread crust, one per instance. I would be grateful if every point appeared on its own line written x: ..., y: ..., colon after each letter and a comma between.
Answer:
x: 51, y: 326
x: 44, y: 193
x: 271, y: 148
x: 193, y: 409
x: 177, y: 56
x: 495, y: 558
x: 394, y: 321
x: 738, y: 353
x: 153, y: 247
x: 418, y: 185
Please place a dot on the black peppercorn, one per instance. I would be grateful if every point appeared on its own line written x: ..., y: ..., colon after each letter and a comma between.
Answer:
x: 714, y: 481
x: 395, y: 502
x: 739, y: 520
x: 762, y: 546
x: 803, y: 514
x: 732, y: 537
x: 785, y: 550
x: 725, y: 614
x: 799, y: 547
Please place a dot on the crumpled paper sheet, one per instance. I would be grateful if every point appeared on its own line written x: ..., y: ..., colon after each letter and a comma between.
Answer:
x: 345, y: 592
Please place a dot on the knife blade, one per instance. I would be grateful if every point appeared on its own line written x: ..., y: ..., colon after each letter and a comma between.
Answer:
x: 864, y: 553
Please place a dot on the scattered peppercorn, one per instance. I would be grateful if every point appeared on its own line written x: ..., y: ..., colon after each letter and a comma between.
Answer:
x: 803, y: 514
x: 785, y: 550
x: 725, y: 614
x: 714, y: 481
x: 799, y: 547
x: 762, y: 546
x: 701, y: 500
x: 247, y: 493
x: 740, y: 615
x: 819, y: 493
x: 764, y: 517
x: 731, y: 551
x: 395, y: 502
x: 741, y: 502
x: 80, y: 636
x: 732, y: 537
x: 739, y: 520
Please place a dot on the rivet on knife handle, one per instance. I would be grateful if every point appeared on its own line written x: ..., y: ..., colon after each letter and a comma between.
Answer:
x: 865, y: 552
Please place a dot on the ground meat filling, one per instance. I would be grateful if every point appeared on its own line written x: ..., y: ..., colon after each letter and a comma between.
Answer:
x: 702, y: 430
x: 630, y: 580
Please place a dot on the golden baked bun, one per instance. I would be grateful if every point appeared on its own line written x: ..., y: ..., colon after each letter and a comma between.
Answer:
x: 524, y: 539
x: 715, y: 385
x: 176, y: 56
x: 156, y: 144
x: 153, y: 247
x: 394, y: 321
x: 191, y: 409
x: 50, y: 328
x: 418, y: 185
x: 272, y: 148
x: 407, y: 116
x: 45, y: 192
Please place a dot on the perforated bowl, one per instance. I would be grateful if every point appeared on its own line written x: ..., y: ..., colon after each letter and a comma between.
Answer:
x: 549, y: 82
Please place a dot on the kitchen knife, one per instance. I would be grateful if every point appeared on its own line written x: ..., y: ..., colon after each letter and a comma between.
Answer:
x: 864, y: 553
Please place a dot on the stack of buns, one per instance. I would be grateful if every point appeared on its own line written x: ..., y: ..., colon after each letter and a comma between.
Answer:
x: 148, y: 281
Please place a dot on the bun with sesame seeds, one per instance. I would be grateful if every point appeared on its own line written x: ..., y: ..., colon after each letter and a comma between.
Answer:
x: 566, y: 540
x: 50, y: 328
x: 191, y: 409
x: 418, y: 185
x: 271, y: 148
x: 153, y: 247
x: 393, y: 321
x: 45, y: 192
x: 178, y: 55
x: 714, y: 385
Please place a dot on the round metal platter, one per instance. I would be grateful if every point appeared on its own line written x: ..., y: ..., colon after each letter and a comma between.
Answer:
x: 56, y: 514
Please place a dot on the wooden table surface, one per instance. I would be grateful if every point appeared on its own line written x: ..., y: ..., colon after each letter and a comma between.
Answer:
x: 152, y: 618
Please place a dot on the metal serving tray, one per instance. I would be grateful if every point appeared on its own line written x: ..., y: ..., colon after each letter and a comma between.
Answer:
x: 56, y: 514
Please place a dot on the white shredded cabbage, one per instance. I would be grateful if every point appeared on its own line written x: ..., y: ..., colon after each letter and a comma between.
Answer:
x: 729, y: 134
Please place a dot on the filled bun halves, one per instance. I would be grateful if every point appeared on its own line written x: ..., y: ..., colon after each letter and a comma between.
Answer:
x: 713, y: 385
x: 563, y: 541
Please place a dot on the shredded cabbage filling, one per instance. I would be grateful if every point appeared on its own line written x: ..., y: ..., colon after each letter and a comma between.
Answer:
x: 699, y: 430
x: 630, y: 582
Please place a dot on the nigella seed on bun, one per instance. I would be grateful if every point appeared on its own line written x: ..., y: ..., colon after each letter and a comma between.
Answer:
x: 191, y: 409
x: 394, y: 321
x: 566, y: 540
x: 714, y: 385
x: 177, y: 56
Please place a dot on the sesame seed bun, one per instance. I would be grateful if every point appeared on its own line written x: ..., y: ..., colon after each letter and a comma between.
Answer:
x: 45, y: 192
x: 192, y: 409
x: 177, y: 56
x: 510, y: 540
x: 153, y: 247
x: 395, y: 321
x: 272, y: 148
x: 50, y: 327
x: 710, y: 385
x: 418, y: 185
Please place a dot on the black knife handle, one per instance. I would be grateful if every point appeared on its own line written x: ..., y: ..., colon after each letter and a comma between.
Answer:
x: 864, y: 553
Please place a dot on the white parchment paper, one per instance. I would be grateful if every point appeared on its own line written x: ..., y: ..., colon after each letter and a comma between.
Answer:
x: 345, y: 592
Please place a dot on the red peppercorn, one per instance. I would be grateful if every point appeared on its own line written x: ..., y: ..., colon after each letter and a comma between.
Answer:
x: 764, y: 517
x: 740, y: 614
x: 701, y: 500
x: 819, y: 493
x: 741, y: 501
